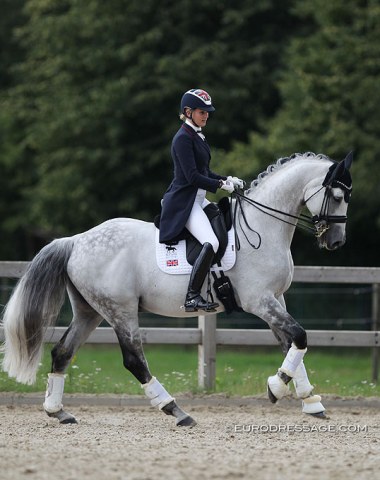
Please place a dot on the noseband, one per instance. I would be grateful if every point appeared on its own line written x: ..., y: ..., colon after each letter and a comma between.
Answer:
x: 335, y: 178
x: 323, y: 220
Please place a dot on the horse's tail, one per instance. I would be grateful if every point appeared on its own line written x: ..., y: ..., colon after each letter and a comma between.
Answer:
x: 33, y: 306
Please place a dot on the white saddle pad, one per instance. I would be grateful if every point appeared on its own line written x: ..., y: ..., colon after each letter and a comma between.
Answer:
x: 172, y: 258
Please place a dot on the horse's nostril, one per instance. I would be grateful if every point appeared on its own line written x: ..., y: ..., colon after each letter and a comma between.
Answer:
x: 337, y: 244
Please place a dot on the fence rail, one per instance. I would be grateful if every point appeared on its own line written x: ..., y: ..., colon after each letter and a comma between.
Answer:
x: 207, y: 336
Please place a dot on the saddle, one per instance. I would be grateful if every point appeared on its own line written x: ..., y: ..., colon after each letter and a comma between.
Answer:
x: 221, y: 221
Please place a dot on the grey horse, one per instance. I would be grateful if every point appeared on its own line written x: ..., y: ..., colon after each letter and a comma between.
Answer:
x: 110, y: 272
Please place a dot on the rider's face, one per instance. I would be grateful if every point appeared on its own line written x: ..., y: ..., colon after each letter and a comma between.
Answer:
x: 199, y: 117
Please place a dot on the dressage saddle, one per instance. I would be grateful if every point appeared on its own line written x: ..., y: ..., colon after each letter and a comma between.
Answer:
x: 221, y: 221
x: 220, y: 217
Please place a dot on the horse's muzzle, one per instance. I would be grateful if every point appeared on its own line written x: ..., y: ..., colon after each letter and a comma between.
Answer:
x: 332, y: 238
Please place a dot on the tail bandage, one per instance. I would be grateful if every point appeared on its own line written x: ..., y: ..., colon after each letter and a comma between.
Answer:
x: 157, y: 394
x: 54, y: 393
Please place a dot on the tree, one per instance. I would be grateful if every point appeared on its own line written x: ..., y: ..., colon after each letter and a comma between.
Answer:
x: 15, y: 173
x: 330, y: 91
x: 95, y: 100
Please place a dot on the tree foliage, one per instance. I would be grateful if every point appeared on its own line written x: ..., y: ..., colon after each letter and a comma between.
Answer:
x: 93, y: 102
x: 330, y: 91
x: 90, y: 91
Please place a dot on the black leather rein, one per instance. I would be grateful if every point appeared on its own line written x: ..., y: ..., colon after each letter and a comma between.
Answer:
x: 317, y: 224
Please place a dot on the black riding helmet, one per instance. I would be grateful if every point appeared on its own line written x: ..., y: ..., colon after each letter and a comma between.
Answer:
x: 196, y: 98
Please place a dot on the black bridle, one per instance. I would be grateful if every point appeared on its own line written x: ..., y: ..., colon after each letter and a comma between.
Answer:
x: 323, y: 220
x: 316, y: 224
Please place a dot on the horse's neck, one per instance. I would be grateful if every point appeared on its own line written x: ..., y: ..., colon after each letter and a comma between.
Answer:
x: 283, y: 190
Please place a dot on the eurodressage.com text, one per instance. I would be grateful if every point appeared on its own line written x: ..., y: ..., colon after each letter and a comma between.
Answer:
x: 299, y: 428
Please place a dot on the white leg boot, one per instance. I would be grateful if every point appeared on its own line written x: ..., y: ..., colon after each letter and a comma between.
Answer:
x: 278, y: 384
x: 53, y: 399
x: 301, y: 382
x: 54, y: 393
x: 311, y: 404
x: 157, y: 394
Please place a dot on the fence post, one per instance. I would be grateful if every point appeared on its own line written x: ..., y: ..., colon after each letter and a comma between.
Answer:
x: 207, y: 352
x: 375, y: 327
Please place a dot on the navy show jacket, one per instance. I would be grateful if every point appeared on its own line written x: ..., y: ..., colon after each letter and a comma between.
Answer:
x: 191, y: 158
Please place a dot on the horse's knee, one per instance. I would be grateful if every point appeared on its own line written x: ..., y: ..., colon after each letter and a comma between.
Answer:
x: 299, y: 337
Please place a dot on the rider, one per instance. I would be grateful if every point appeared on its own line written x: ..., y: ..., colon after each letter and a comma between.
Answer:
x: 184, y: 200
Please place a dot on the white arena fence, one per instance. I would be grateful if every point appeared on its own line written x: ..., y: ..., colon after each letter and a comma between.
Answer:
x: 207, y: 336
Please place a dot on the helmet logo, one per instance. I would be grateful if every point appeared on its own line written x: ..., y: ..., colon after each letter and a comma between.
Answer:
x: 202, y: 94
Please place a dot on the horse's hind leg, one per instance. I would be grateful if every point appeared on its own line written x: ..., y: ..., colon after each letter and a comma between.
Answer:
x: 134, y: 360
x: 293, y: 340
x: 85, y: 320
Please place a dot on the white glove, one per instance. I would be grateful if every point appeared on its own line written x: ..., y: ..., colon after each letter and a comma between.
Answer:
x: 237, y: 182
x: 227, y: 185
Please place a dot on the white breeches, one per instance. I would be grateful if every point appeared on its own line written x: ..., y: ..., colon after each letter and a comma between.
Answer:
x: 199, y: 225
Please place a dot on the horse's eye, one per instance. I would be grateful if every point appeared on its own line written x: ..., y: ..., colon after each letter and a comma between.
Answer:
x: 337, y: 195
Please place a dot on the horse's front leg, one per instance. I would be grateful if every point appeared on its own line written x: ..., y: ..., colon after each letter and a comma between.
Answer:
x: 293, y: 340
x: 134, y: 360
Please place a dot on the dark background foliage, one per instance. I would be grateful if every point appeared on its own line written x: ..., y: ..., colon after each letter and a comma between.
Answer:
x: 90, y: 91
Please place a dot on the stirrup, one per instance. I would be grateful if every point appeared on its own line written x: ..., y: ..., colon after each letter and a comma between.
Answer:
x: 198, y: 303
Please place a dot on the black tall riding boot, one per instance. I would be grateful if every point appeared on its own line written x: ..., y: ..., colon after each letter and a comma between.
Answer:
x: 194, y: 300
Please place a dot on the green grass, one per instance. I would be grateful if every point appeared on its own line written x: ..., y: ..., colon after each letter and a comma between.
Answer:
x: 99, y: 369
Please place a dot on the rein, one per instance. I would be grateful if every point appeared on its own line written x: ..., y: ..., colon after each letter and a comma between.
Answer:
x: 317, y: 224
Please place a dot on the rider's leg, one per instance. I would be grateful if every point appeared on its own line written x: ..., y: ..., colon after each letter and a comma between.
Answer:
x: 198, y: 225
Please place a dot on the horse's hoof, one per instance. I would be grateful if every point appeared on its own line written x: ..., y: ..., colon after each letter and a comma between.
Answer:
x: 321, y: 415
x: 63, y: 417
x: 271, y: 397
x: 186, y: 422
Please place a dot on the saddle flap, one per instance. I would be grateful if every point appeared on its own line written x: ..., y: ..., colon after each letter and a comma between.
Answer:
x: 171, y: 258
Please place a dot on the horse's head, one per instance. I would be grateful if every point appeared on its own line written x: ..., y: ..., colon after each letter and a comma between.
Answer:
x: 328, y: 204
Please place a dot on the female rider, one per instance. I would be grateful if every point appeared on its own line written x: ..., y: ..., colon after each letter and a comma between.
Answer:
x: 184, y: 200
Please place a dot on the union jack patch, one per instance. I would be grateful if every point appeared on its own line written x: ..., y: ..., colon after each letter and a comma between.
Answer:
x: 172, y: 263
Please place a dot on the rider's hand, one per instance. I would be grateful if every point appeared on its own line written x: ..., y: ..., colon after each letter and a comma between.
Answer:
x: 227, y: 185
x: 237, y: 182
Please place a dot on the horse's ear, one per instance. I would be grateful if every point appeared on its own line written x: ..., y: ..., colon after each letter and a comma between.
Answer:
x: 338, y: 170
x: 348, y: 160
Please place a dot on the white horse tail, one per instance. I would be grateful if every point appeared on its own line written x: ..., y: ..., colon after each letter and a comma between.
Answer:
x: 34, y: 306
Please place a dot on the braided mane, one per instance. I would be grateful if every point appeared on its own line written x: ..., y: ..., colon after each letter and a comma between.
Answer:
x: 281, y: 161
